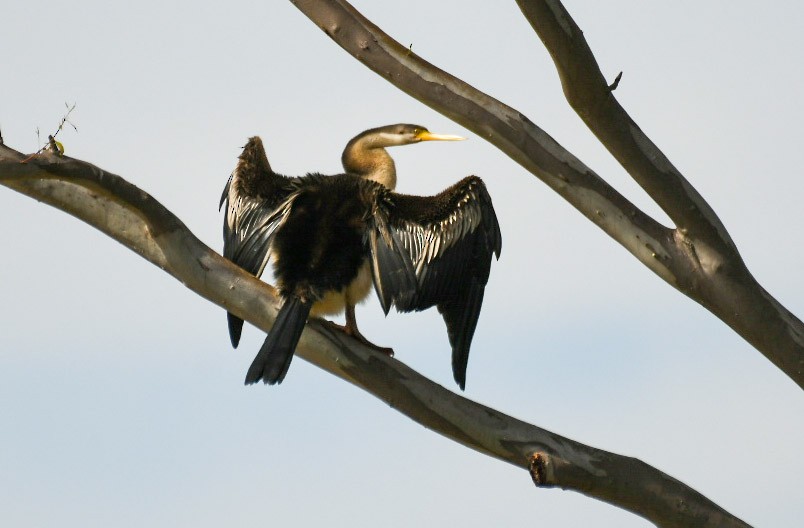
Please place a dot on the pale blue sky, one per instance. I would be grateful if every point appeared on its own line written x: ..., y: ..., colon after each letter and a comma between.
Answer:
x: 122, y: 404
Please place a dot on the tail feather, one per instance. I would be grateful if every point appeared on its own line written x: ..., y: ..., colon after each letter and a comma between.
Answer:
x: 272, y: 361
x: 461, y: 316
x: 235, y: 328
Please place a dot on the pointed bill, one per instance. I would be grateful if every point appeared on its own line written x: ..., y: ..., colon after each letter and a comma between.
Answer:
x: 425, y: 135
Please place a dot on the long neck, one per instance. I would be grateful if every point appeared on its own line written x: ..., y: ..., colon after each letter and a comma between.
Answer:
x: 364, y: 157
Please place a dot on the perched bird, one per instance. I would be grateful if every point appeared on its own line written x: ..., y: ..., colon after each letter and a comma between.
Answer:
x: 330, y: 237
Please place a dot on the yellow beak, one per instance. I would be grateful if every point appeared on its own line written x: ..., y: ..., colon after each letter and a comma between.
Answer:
x: 425, y: 135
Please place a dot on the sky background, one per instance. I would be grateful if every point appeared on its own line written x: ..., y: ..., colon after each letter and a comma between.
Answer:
x: 121, y: 402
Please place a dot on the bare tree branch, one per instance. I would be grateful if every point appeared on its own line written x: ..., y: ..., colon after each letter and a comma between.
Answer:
x: 698, y: 257
x: 718, y: 278
x: 135, y: 219
x: 589, y: 94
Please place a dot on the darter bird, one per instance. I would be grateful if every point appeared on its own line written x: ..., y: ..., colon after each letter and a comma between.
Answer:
x: 330, y: 237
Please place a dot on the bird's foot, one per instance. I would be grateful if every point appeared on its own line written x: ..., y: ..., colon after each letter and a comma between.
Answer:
x: 355, y: 333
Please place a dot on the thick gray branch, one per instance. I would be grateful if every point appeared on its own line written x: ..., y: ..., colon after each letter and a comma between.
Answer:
x: 698, y: 258
x: 132, y: 217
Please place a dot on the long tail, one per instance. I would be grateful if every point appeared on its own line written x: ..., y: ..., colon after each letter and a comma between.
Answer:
x: 272, y: 361
x: 235, y: 328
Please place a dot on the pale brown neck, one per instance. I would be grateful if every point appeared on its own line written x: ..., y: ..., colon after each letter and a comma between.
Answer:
x: 369, y: 161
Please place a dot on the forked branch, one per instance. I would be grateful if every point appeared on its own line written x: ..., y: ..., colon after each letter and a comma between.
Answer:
x: 590, y: 96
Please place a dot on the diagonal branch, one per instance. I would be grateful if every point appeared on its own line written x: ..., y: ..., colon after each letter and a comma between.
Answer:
x: 593, y: 99
x: 503, y: 126
x: 698, y: 258
x: 718, y: 278
x: 135, y: 219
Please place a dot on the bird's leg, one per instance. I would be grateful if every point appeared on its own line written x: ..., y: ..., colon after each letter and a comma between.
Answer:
x: 351, y: 329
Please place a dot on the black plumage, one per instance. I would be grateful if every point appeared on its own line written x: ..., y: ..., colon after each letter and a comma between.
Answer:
x: 330, y: 237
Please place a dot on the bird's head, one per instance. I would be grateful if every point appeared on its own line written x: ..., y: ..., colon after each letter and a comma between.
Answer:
x: 402, y: 134
x: 365, y: 154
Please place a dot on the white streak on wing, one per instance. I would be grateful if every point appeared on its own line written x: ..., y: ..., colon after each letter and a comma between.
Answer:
x: 428, y: 243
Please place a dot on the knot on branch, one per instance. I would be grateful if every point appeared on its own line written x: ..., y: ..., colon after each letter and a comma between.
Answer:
x: 541, y: 470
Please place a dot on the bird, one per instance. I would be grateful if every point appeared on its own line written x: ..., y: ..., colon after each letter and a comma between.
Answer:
x: 330, y: 237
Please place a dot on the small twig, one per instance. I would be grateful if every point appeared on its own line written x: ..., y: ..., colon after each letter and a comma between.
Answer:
x: 67, y: 115
x: 613, y: 86
x: 64, y: 120
x: 52, y: 145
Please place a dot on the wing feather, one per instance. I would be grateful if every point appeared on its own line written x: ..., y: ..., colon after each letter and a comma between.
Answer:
x: 247, y: 241
x: 391, y: 267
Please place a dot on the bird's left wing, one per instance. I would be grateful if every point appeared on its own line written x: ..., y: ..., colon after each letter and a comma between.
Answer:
x: 444, y: 245
x: 256, y: 201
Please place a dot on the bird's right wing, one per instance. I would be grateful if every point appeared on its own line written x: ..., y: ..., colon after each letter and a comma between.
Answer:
x: 437, y: 251
x: 257, y: 201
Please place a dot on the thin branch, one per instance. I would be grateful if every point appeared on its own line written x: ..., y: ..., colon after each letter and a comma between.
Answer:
x: 65, y: 120
x: 698, y: 258
x: 135, y: 219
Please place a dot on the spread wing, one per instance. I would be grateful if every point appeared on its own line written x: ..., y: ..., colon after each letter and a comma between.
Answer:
x: 255, y: 199
x: 436, y: 251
